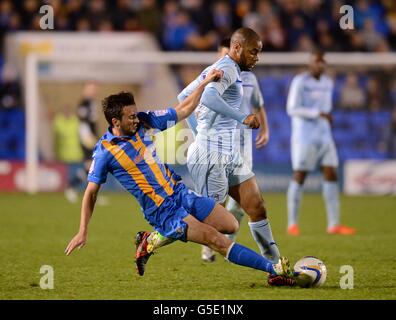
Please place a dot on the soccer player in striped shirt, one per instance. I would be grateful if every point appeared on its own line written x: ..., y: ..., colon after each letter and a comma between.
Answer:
x: 127, y: 152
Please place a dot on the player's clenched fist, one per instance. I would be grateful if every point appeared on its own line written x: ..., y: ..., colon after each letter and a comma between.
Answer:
x: 252, y: 122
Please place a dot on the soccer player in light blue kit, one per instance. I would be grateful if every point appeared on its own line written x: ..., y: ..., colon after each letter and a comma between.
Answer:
x: 252, y: 99
x: 214, y: 160
x: 309, y: 105
x: 127, y: 151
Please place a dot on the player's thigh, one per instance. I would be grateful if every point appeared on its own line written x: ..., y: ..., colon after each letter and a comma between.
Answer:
x: 304, y: 156
x: 205, y: 234
x: 329, y: 156
x: 197, y: 205
x: 222, y: 220
x: 239, y: 170
x: 209, y: 176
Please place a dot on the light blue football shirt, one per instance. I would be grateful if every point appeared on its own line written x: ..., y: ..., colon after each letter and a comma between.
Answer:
x: 214, y: 130
x: 308, y: 97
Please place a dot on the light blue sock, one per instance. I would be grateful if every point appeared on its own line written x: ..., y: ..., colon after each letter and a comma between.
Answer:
x: 236, y: 210
x: 332, y: 201
x: 262, y: 234
x: 243, y: 256
x: 294, y: 195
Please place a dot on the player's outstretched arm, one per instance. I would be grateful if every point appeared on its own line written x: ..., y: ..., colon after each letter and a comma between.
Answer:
x: 87, y: 207
x: 186, y: 107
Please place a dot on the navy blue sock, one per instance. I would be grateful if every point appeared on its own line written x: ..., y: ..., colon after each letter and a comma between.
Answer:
x: 243, y: 256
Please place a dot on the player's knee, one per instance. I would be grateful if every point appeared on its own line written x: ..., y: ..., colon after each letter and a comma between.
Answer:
x: 256, y: 209
x: 233, y: 226
x: 330, y: 175
x: 299, y: 177
x: 218, y: 242
x: 229, y: 226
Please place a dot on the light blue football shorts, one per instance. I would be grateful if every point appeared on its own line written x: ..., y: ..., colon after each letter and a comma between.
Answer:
x: 306, y: 157
x: 213, y: 173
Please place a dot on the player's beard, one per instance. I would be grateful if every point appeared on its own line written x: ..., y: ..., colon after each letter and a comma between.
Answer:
x: 244, y: 66
x: 129, y: 130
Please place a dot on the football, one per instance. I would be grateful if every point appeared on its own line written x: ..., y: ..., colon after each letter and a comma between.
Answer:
x: 310, y: 272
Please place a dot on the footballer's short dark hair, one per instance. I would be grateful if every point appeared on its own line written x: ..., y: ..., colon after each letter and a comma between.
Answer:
x: 113, y: 105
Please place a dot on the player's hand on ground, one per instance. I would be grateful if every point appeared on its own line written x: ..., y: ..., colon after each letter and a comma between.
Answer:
x: 252, y: 122
x: 78, y: 241
x: 327, y: 116
x: 262, y: 139
x: 213, y: 75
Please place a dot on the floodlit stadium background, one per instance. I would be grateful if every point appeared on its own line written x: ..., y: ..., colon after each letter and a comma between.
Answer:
x: 155, y: 47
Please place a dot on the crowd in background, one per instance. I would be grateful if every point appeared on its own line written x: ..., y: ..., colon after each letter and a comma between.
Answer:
x: 199, y: 25
x: 284, y: 25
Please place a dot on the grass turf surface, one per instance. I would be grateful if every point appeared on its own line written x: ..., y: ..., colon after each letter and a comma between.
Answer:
x: 36, y: 229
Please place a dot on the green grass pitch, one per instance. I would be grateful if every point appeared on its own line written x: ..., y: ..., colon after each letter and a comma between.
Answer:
x: 36, y: 229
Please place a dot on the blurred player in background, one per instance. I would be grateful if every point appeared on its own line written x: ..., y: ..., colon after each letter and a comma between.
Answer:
x: 68, y: 149
x: 176, y: 213
x: 309, y: 105
x: 214, y: 159
x: 252, y: 100
x: 87, y: 114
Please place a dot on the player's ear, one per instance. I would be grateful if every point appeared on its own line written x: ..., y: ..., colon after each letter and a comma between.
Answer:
x: 116, y: 122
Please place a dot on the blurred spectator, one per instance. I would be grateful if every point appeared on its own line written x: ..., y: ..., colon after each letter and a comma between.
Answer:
x: 149, y: 17
x: 177, y: 30
x: 392, y: 32
x: 370, y: 36
x: 305, y: 44
x: 222, y: 18
x: 352, y: 95
x: 199, y: 14
x: 105, y: 26
x: 83, y: 24
x: 375, y: 94
x: 356, y: 42
x: 6, y: 12
x: 10, y: 91
x: 370, y: 10
x: 122, y: 13
x: 97, y: 12
x: 132, y: 24
x: 388, y: 142
x: 259, y: 19
x: 30, y: 9
x: 296, y: 30
x: 393, y: 92
x: 276, y: 35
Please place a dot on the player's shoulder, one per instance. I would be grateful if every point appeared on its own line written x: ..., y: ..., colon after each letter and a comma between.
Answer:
x: 101, y: 147
x: 248, y: 77
x: 226, y: 63
x: 302, y: 76
x: 327, y: 79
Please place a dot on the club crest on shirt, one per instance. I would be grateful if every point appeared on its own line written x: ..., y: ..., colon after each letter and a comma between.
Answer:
x: 159, y: 113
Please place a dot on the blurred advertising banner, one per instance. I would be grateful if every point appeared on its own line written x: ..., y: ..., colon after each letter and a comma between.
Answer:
x: 52, y: 177
x: 370, y: 177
